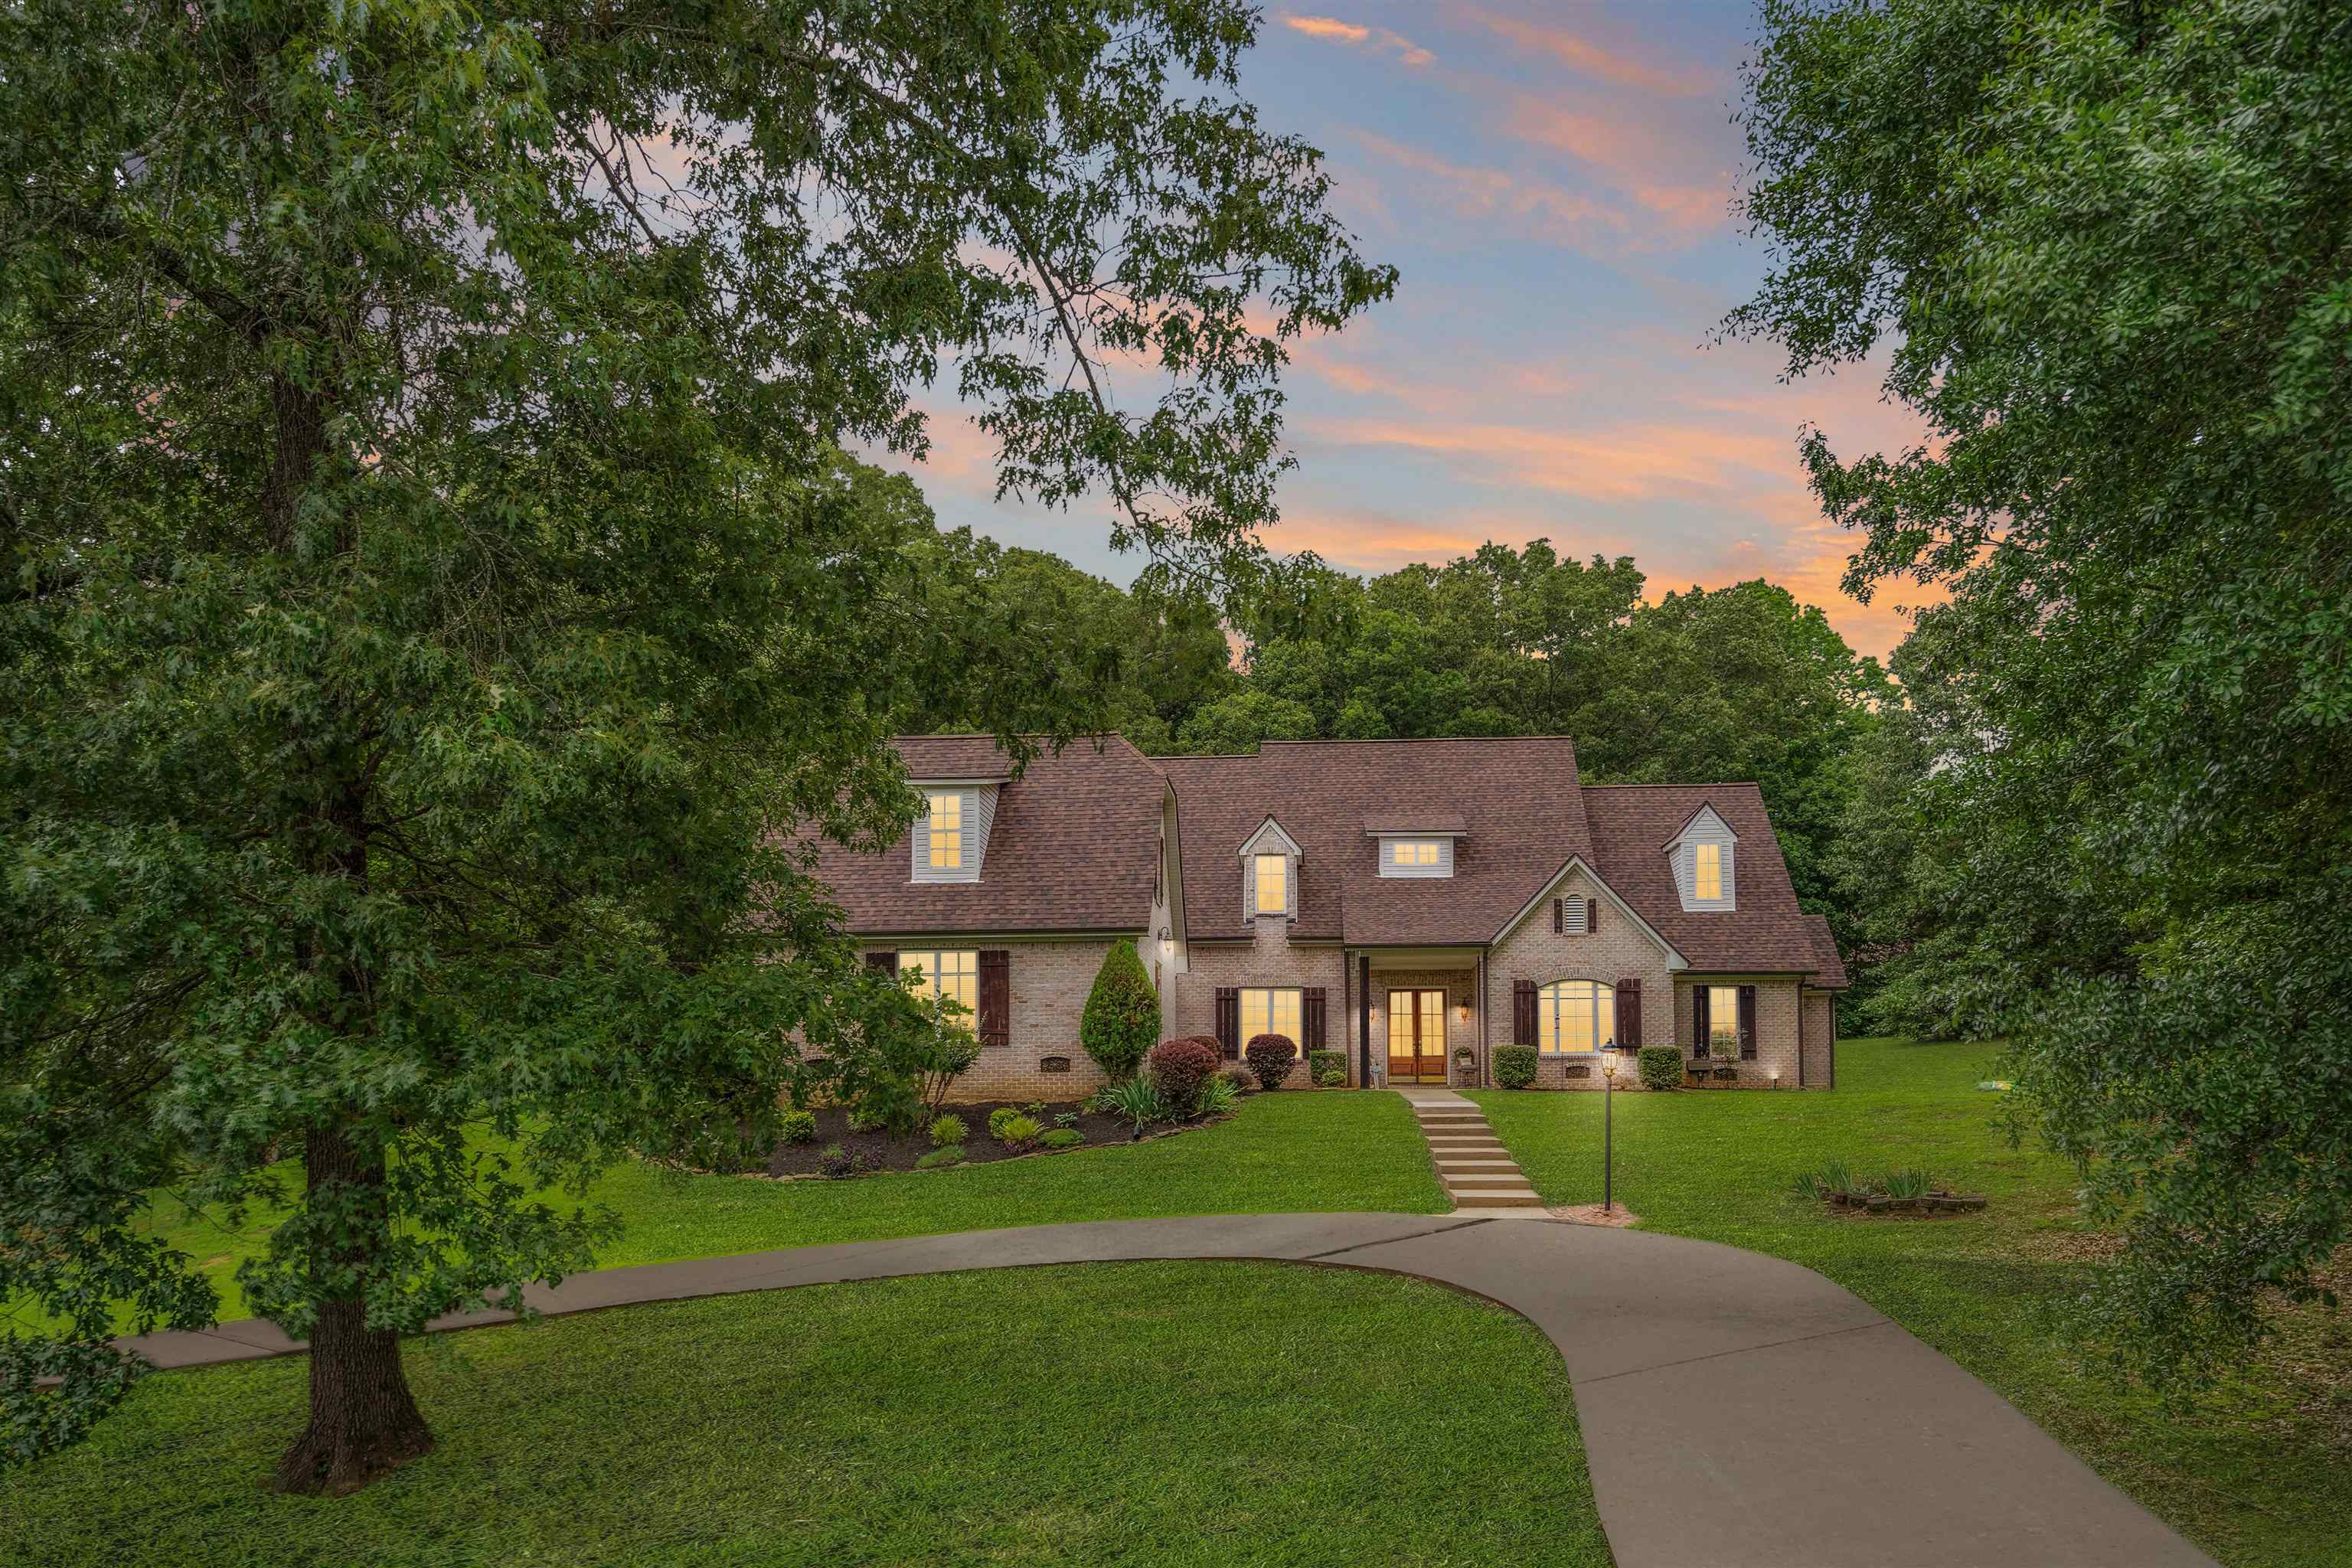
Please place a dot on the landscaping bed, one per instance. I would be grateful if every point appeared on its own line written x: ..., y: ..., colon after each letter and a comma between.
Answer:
x: 880, y: 1151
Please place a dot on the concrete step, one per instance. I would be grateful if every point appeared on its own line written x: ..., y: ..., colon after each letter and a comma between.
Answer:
x: 1468, y: 1202
x: 1468, y: 1146
x: 1436, y: 1118
x: 1486, y: 1187
x: 1466, y: 1140
x: 1478, y: 1161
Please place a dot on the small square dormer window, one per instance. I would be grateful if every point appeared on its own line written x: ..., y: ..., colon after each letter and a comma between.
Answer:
x: 1404, y: 856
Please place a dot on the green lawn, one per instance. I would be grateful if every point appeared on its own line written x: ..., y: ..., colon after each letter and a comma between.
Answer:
x: 1283, y: 1152
x: 2259, y: 1473
x: 1142, y: 1413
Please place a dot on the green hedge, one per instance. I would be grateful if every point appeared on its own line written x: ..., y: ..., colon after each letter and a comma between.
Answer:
x: 1662, y: 1067
x: 1515, y: 1066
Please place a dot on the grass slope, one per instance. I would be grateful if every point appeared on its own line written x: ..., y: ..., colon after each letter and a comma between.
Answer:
x: 2258, y: 1474
x: 1283, y: 1152
x: 1142, y: 1413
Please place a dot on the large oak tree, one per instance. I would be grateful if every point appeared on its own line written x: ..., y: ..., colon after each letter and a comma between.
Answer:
x: 431, y: 598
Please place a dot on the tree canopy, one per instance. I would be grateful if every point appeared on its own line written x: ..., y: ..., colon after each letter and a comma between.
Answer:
x: 2108, y: 247
x: 435, y: 613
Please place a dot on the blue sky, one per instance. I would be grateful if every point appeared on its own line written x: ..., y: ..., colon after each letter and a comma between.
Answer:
x: 1553, y: 181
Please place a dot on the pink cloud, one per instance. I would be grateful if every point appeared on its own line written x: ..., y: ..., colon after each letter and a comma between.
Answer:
x: 1333, y: 28
x: 1582, y: 55
x: 1662, y: 166
x: 1550, y: 211
x: 1624, y: 462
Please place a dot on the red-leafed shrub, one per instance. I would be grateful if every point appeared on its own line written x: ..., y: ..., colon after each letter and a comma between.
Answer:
x: 1271, y: 1058
x: 1177, y: 1069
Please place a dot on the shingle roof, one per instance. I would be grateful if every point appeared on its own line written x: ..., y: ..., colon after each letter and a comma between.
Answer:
x: 1765, y: 933
x: 1074, y: 846
x: 1829, y: 970
x: 1521, y: 810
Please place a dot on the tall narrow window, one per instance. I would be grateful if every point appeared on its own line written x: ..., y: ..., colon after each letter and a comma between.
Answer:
x: 947, y: 832
x: 1273, y: 884
x: 1707, y: 870
x: 1722, y: 1020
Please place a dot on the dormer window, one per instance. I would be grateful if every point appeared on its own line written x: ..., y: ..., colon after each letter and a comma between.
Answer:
x: 1272, y: 885
x: 1707, y: 871
x: 1416, y: 855
x: 1702, y: 857
x: 950, y: 838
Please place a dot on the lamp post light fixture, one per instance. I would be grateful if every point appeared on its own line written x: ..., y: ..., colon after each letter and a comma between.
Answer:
x: 1776, y: 1077
x: 1608, y: 1128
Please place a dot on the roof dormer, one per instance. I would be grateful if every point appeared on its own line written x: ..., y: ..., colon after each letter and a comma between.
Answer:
x: 1702, y: 857
x: 950, y: 836
x: 1270, y: 861
x: 1415, y: 844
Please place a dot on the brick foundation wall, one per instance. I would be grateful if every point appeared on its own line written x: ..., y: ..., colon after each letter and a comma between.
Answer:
x: 1620, y: 950
x: 1050, y: 981
x: 1776, y: 1024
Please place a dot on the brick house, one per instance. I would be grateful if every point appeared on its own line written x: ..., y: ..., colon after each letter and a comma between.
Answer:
x: 1413, y: 904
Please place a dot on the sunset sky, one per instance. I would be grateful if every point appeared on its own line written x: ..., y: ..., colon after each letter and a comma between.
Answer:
x: 1553, y: 181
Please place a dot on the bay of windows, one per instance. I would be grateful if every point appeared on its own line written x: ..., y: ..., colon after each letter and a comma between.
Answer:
x: 1575, y: 1016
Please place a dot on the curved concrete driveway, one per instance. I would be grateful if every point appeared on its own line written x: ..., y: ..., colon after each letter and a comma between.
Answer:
x: 1738, y: 1411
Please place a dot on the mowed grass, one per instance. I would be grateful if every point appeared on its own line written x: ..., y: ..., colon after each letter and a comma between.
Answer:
x: 1283, y: 1152
x: 1124, y: 1413
x: 2259, y: 1473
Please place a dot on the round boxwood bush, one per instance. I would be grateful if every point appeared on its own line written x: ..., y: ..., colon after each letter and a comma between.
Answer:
x: 1271, y: 1057
x: 1662, y: 1067
x: 798, y: 1126
x: 1178, y: 1068
x: 1515, y: 1066
x: 1122, y: 1013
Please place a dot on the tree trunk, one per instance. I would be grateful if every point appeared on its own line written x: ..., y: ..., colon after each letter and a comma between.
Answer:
x: 363, y: 1421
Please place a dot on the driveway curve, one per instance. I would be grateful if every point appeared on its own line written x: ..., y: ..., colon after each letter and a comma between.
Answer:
x: 1738, y: 1411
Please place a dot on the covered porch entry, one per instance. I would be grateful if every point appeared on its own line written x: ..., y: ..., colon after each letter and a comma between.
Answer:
x: 1423, y: 1010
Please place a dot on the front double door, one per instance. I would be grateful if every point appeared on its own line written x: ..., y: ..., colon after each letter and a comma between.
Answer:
x: 1416, y: 1036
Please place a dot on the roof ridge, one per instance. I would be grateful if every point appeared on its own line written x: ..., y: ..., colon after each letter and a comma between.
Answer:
x: 1412, y: 741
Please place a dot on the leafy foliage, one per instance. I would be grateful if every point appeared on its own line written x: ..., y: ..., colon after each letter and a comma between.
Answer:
x: 797, y: 1126
x: 1178, y: 1068
x: 948, y: 1154
x: 1017, y: 1132
x: 1060, y: 1138
x: 1140, y: 1100
x: 1121, y: 1017
x: 1218, y: 1098
x: 947, y: 1129
x: 2108, y: 247
x: 1662, y: 1067
x: 1515, y: 1066
x: 435, y: 617
x: 1270, y: 1057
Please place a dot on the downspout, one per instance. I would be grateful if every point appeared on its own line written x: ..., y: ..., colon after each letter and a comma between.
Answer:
x: 1364, y: 1019
x: 1801, y: 1034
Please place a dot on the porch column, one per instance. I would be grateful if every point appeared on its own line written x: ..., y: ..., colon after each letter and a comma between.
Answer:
x: 1364, y: 1020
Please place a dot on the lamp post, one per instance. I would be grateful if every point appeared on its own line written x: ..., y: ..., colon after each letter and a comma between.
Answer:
x: 1608, y: 1127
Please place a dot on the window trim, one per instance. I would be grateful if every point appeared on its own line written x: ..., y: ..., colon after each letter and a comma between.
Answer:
x: 1549, y: 1016
x: 1432, y: 855
x: 1257, y: 883
x: 1700, y: 856
x: 1722, y: 1015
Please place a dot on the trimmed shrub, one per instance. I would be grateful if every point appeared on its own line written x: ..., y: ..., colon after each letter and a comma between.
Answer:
x: 947, y: 1131
x: 1238, y: 1075
x: 1122, y: 1013
x: 1319, y: 1065
x: 998, y: 1118
x: 1021, y: 1132
x: 797, y: 1126
x: 1062, y: 1138
x: 1271, y: 1058
x: 1662, y: 1067
x: 1178, y: 1068
x: 1515, y: 1066
x: 1330, y: 1076
x: 952, y: 1155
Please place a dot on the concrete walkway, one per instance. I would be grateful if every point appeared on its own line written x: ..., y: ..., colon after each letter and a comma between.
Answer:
x: 1738, y: 1411
x: 1476, y: 1171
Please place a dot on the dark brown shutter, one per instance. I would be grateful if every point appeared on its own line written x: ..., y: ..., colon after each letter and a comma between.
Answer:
x: 1310, y: 1017
x: 1523, y: 1012
x: 1559, y: 921
x: 887, y: 963
x: 1747, y: 1023
x: 1229, y: 1021
x: 995, y: 996
x: 1698, y: 1020
x: 1592, y: 916
x: 1629, y: 1013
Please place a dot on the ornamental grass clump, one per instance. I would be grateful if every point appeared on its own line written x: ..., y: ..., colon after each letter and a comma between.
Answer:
x: 947, y: 1131
x: 1019, y: 1132
x: 1138, y: 1101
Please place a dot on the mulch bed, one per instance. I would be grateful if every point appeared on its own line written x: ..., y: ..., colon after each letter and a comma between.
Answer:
x: 979, y: 1148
